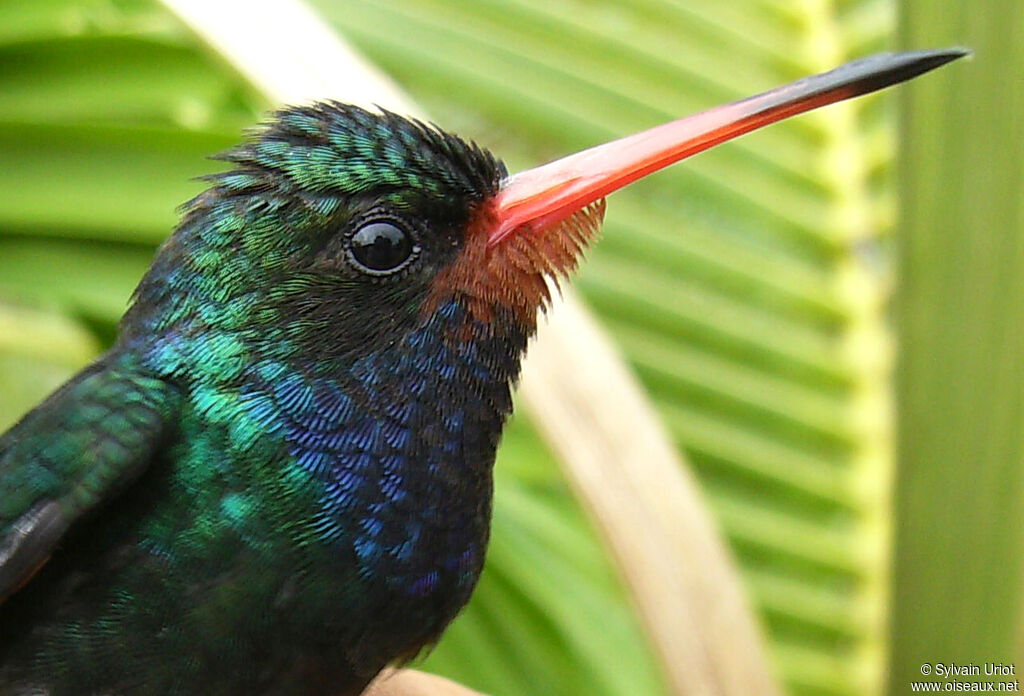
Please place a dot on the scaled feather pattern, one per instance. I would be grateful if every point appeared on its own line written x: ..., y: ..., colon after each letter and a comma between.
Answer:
x: 278, y: 480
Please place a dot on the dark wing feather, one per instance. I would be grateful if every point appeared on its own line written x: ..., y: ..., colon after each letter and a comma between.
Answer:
x: 79, y: 448
x: 27, y: 544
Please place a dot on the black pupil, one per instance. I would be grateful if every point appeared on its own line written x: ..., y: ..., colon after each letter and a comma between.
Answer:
x: 381, y: 246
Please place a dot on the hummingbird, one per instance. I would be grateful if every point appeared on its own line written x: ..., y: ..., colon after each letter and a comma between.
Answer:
x: 278, y: 480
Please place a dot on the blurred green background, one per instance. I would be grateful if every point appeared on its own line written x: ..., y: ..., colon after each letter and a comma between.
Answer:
x: 827, y: 314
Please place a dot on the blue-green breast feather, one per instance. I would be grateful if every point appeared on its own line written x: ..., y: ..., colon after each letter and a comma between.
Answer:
x: 279, y: 478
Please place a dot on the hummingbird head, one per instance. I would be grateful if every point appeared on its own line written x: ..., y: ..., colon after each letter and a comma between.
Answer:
x: 349, y: 228
x: 388, y: 220
x: 341, y: 230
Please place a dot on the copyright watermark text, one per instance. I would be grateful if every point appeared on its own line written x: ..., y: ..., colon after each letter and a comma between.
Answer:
x: 986, y: 677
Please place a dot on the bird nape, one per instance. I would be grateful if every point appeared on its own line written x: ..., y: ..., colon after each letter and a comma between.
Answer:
x: 278, y: 479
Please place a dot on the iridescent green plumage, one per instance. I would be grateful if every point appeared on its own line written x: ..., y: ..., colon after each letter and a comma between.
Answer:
x: 88, y: 441
x: 279, y: 478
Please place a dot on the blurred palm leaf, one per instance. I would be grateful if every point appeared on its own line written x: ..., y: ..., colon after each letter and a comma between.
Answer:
x: 746, y: 288
x: 961, y: 372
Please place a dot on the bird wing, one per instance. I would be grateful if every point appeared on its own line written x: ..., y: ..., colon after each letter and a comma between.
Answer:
x: 80, y: 447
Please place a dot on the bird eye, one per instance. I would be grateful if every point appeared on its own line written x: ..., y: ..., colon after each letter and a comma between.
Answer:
x: 381, y: 247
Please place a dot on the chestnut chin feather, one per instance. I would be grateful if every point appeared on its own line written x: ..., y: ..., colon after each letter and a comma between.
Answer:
x: 513, y: 275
